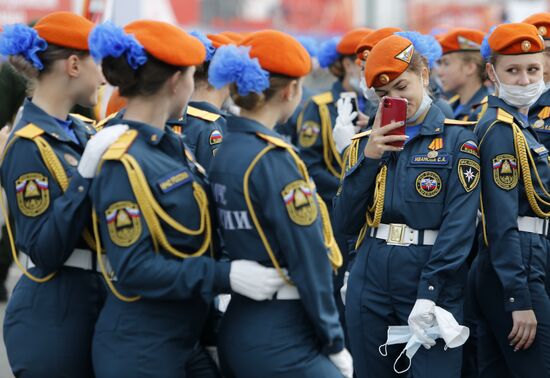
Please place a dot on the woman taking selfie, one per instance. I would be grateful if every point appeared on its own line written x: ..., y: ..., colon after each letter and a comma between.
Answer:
x: 514, y: 328
x: 413, y: 206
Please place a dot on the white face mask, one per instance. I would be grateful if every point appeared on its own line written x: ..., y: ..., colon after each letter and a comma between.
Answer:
x: 517, y: 95
x: 355, y: 83
x: 546, y: 86
x: 368, y: 93
x: 424, y: 105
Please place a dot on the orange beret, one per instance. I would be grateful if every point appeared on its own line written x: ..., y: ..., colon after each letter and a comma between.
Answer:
x: 167, y: 43
x: 234, y: 36
x: 290, y: 58
x: 542, y: 23
x: 350, y: 40
x: 513, y: 39
x: 65, y: 29
x: 219, y: 40
x: 461, y: 39
x: 387, y: 60
x: 368, y: 42
x: 116, y: 102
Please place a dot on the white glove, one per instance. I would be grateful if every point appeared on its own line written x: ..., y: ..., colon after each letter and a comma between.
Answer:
x: 253, y: 280
x: 344, y: 129
x: 343, y: 362
x: 96, y: 147
x: 344, y: 288
x: 421, y: 318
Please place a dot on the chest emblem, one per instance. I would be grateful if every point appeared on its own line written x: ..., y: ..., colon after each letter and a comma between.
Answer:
x: 33, y: 194
x: 124, y: 223
x: 505, y: 171
x: 428, y: 184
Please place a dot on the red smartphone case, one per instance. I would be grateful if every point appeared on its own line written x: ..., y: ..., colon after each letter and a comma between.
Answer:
x: 394, y: 109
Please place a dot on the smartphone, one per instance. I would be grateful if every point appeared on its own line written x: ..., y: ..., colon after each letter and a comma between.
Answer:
x: 354, y: 103
x: 394, y: 109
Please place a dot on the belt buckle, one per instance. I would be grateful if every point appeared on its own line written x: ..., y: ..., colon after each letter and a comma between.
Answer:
x: 396, y: 235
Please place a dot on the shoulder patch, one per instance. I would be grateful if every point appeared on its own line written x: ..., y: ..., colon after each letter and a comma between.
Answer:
x: 215, y: 137
x: 300, y: 204
x: 505, y: 171
x: 504, y: 116
x: 121, y: 146
x: 468, y: 171
x: 30, y: 131
x: 308, y: 133
x: 124, y: 223
x: 202, y: 114
x: 323, y: 98
x: 361, y: 134
x: 33, y: 194
x: 455, y: 122
x: 470, y: 147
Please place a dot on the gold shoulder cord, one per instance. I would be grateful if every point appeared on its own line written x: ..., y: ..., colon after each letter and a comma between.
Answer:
x: 335, y: 255
x: 151, y: 209
x: 330, y: 153
x: 525, y: 160
x: 54, y: 166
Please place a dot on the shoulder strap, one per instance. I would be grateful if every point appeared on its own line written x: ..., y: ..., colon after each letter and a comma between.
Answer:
x: 29, y: 131
x: 202, y: 114
x: 504, y: 116
x: 455, y: 98
x: 323, y: 98
x: 101, y: 124
x: 456, y: 122
x: 544, y: 113
x: 82, y: 118
x: 119, y: 148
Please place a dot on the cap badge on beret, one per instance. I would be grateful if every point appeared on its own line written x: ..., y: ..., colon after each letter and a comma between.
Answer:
x: 542, y: 30
x: 525, y: 46
x: 405, y: 55
x: 384, y: 79
x: 467, y: 44
x: 365, y: 54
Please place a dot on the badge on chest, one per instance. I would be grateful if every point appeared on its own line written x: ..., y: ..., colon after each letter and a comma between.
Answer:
x: 428, y: 184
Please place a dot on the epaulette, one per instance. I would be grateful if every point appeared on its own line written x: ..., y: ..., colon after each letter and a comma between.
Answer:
x: 30, y: 131
x: 504, y: 116
x: 456, y: 122
x: 361, y: 135
x: 202, y: 114
x: 278, y: 142
x: 455, y: 98
x: 82, y: 118
x: 323, y: 98
x: 121, y: 146
x: 99, y: 125
x: 544, y: 113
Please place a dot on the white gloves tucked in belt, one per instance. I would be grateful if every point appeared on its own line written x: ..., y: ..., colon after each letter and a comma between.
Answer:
x: 96, y: 147
x: 253, y: 280
x: 343, y: 362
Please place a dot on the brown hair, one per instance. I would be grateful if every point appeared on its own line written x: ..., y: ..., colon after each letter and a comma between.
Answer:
x: 48, y: 57
x: 201, y: 75
x: 476, y: 58
x: 254, y: 100
x: 337, y: 68
x: 144, y: 81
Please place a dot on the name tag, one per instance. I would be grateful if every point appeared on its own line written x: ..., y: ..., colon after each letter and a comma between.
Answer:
x: 423, y: 159
x: 173, y: 181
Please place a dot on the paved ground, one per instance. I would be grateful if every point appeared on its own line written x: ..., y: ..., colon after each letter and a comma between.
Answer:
x: 5, y: 371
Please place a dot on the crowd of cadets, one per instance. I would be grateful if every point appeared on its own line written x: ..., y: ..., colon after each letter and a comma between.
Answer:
x: 229, y: 219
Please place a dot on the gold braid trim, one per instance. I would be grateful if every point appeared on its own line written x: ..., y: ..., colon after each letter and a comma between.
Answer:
x: 330, y: 153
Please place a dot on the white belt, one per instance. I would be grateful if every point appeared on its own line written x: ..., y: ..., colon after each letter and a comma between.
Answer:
x: 80, y: 258
x: 287, y: 292
x: 403, y: 235
x: 533, y: 224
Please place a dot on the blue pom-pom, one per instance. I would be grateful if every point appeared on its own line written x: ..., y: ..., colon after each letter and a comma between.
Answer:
x: 327, y: 53
x: 210, y: 49
x: 310, y: 44
x: 485, y: 48
x: 426, y: 45
x: 108, y: 39
x: 20, y: 39
x: 232, y: 64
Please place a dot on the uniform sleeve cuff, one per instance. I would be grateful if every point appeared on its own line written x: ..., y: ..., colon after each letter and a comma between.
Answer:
x: 428, y: 289
x: 336, y: 346
x: 221, y: 277
x: 517, y: 300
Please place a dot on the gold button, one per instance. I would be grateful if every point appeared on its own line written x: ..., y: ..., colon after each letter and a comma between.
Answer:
x: 542, y: 30
x: 525, y: 46
x: 431, y: 288
x: 154, y: 138
x: 512, y: 300
x: 384, y: 79
x: 80, y: 188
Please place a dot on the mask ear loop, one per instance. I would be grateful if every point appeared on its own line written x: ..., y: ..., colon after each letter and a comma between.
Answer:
x: 397, y: 359
x: 383, y: 350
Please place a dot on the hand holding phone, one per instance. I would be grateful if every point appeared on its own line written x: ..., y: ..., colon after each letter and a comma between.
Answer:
x: 394, y: 109
x: 388, y: 131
